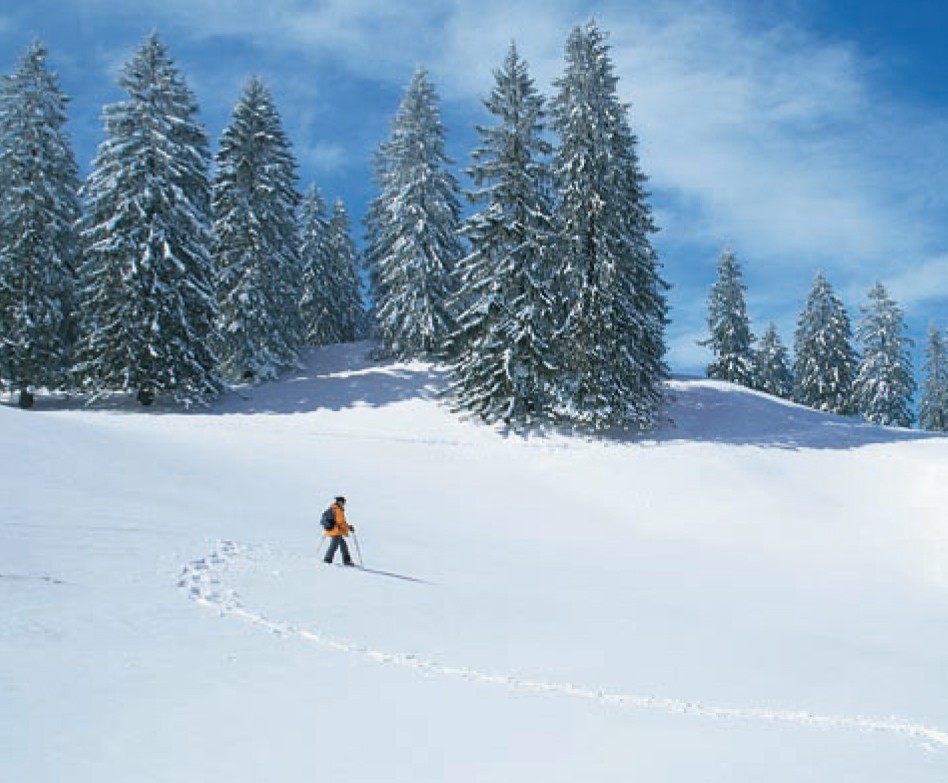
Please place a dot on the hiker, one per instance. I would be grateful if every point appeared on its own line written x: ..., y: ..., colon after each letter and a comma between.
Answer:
x: 337, y: 529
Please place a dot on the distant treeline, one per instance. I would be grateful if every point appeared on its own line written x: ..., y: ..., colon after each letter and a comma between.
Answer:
x: 868, y: 373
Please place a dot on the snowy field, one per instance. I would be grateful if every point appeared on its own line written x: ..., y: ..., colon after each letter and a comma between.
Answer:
x: 759, y: 593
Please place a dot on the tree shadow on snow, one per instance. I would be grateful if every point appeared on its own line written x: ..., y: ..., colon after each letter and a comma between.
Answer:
x: 698, y: 410
x: 708, y: 411
x: 335, y: 378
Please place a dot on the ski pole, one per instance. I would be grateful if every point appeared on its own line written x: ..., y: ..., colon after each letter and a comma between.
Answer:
x: 320, y: 550
x: 355, y: 538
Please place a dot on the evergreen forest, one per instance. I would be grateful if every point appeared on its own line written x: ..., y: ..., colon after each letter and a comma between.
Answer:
x: 182, y: 265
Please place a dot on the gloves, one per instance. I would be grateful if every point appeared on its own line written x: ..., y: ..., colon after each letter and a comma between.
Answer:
x: 352, y: 528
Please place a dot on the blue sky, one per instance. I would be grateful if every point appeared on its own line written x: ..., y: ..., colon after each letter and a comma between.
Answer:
x: 810, y: 136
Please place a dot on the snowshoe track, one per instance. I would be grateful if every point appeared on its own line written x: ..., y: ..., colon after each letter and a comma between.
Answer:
x: 203, y: 581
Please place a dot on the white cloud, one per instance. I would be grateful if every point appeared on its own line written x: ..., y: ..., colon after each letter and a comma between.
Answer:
x: 477, y: 36
x: 322, y: 157
x: 920, y: 284
x: 371, y: 36
x: 772, y: 136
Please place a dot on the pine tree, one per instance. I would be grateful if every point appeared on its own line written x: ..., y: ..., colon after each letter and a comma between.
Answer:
x: 825, y: 359
x: 39, y: 207
x: 147, y: 296
x: 731, y: 340
x: 885, y: 381
x: 772, y: 373
x: 615, y: 299
x: 316, y: 303
x: 503, y: 347
x: 412, y: 230
x: 257, y: 248
x: 933, y: 407
x: 344, y: 287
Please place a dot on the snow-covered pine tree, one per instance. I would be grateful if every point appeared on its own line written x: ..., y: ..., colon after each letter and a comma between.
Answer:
x: 344, y: 287
x: 503, y: 350
x: 148, y: 298
x: 825, y: 363
x: 257, y: 243
x: 315, y: 298
x: 772, y: 373
x: 412, y: 242
x: 933, y: 407
x: 885, y: 381
x: 39, y: 207
x: 731, y: 340
x: 613, y: 340
x: 331, y: 303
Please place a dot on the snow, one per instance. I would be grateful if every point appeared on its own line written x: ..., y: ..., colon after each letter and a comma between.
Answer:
x: 758, y: 593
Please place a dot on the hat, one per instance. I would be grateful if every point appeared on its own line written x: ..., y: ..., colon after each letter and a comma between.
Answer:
x: 340, y: 499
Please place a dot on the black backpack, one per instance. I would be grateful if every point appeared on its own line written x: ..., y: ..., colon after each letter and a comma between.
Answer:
x: 328, y: 519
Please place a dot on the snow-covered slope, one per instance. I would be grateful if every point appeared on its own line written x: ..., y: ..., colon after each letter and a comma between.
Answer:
x: 757, y: 593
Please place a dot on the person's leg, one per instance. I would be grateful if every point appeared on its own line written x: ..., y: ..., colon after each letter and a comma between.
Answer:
x: 333, y: 546
x: 346, y: 557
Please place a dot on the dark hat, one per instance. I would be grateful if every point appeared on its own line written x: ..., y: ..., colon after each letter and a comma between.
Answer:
x: 340, y: 499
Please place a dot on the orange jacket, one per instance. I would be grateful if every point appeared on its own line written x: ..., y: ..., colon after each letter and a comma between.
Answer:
x: 342, y: 526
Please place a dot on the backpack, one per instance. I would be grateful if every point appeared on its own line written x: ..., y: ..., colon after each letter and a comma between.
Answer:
x: 328, y: 519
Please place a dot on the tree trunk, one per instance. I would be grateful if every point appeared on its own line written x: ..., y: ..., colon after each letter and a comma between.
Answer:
x: 26, y: 399
x: 146, y: 396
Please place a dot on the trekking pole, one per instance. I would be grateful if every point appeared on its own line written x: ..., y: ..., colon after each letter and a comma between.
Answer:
x: 320, y: 550
x: 355, y: 538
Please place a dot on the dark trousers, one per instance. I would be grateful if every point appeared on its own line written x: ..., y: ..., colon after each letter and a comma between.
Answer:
x: 338, y: 542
